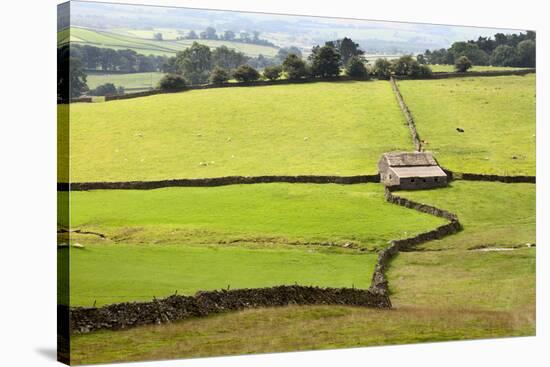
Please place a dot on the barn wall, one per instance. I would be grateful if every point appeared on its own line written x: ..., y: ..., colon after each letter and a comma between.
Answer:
x: 417, y: 183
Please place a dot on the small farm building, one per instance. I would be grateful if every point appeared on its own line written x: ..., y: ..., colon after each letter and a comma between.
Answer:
x: 410, y: 170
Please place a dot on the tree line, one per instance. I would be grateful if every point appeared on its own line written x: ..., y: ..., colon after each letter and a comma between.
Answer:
x: 210, y: 33
x: 107, y: 59
x: 517, y: 50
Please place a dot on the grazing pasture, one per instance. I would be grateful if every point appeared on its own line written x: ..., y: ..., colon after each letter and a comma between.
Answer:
x: 492, y: 214
x: 452, y: 294
x: 263, y: 215
x: 319, y: 128
x: 497, y: 115
x: 121, y: 40
x: 98, y: 272
x: 131, y: 82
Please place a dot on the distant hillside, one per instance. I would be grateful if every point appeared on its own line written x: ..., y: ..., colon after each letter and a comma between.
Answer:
x: 143, y: 43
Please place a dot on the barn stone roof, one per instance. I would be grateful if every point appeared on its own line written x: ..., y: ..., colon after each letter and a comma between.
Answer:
x: 411, y: 159
x: 422, y: 171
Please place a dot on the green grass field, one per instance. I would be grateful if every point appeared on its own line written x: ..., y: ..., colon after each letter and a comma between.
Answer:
x: 121, y: 40
x: 492, y: 214
x: 132, y: 82
x: 264, y: 215
x: 496, y: 113
x: 319, y: 128
x: 451, y: 69
x: 453, y: 294
x: 98, y: 274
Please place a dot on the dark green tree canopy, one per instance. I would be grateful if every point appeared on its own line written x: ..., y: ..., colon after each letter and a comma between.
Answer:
x: 294, y: 67
x: 325, y: 61
x: 246, y: 73
x: 356, y: 67
x: 195, y: 63
x: 219, y: 76
x: 463, y: 64
x: 273, y: 72
x: 172, y: 82
x: 347, y: 48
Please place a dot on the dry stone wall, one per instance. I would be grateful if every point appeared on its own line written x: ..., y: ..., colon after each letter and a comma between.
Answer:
x: 379, y: 283
x: 216, y: 181
x: 131, y: 314
x: 408, y: 116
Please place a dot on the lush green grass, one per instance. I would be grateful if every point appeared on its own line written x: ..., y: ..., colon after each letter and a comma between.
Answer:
x: 450, y: 68
x: 466, y: 280
x: 497, y: 114
x: 319, y: 128
x: 492, y: 214
x: 132, y: 82
x: 119, y: 273
x: 291, y: 329
x: 268, y: 214
x: 453, y: 294
x: 120, y: 40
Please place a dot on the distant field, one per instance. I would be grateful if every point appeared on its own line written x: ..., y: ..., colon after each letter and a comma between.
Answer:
x: 450, y: 68
x: 98, y: 272
x: 144, y: 45
x: 496, y: 113
x: 132, y: 82
x: 320, y: 128
x: 264, y: 215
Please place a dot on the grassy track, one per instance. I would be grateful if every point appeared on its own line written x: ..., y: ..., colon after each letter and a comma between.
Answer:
x: 262, y: 214
x: 120, y: 40
x: 132, y: 82
x: 97, y: 272
x: 497, y: 114
x: 321, y: 128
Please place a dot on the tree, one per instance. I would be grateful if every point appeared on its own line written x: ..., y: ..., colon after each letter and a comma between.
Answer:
x: 219, y: 76
x: 504, y: 55
x: 382, y: 68
x: 192, y: 35
x: 405, y: 65
x: 356, y: 67
x: 195, y: 63
x: 71, y: 78
x: 172, y: 82
x: 294, y: 67
x: 209, y: 34
x: 325, y: 61
x: 227, y: 58
x: 527, y: 53
x: 285, y: 51
x: 107, y: 89
x: 246, y: 73
x: 463, y: 64
x: 347, y: 48
x: 421, y: 59
x: 273, y: 72
x: 158, y: 36
x: 471, y: 51
x: 229, y: 35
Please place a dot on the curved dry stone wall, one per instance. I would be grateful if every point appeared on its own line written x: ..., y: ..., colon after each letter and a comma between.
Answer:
x: 131, y: 314
x: 379, y: 283
x: 216, y: 181
x: 408, y: 116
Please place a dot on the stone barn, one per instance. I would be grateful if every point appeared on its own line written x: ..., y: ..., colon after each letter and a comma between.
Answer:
x: 410, y: 171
